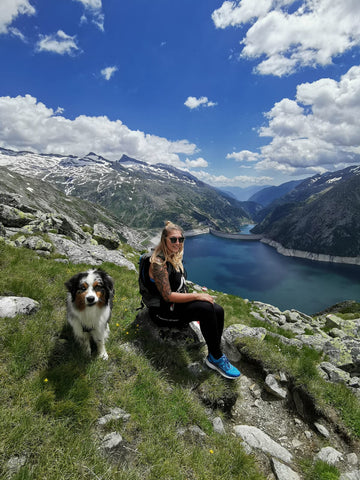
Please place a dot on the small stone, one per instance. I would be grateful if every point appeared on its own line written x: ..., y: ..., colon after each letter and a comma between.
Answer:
x: 355, y: 475
x: 322, y: 430
x: 283, y: 472
x: 111, y: 441
x: 14, y: 464
x: 329, y: 455
x: 273, y: 387
x: 115, y: 414
x: 352, y: 459
x: 218, y: 426
x: 254, y: 437
x: 296, y: 443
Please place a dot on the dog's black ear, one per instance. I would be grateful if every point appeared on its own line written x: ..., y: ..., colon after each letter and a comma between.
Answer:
x: 108, y: 281
x: 73, y: 283
x: 108, y: 284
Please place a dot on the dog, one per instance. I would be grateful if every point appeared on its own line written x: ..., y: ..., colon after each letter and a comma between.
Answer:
x: 89, y: 305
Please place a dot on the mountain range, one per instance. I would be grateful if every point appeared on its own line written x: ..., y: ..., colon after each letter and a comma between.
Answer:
x: 319, y: 214
x: 138, y: 194
x: 267, y: 195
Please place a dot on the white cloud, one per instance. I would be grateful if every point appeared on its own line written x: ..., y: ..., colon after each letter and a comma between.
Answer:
x: 15, y: 32
x: 58, y: 42
x: 310, y: 35
x: 11, y: 9
x: 193, y: 102
x: 243, y: 180
x: 198, y: 163
x: 317, y: 131
x: 94, y: 9
x: 26, y: 124
x: 244, y: 156
x: 108, y: 72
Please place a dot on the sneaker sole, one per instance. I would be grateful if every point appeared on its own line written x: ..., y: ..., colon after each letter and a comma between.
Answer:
x: 214, y: 367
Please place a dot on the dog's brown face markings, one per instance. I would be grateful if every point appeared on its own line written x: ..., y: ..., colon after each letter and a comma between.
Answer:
x: 100, y: 293
x: 84, y: 292
x: 80, y: 296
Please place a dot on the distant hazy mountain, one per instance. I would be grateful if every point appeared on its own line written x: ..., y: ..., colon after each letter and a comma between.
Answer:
x: 267, y: 195
x: 320, y: 215
x: 244, y: 194
x: 140, y: 195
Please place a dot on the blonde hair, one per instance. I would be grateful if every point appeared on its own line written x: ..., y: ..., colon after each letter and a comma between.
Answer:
x: 161, y: 250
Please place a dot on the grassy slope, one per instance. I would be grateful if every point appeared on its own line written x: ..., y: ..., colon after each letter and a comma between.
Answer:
x: 51, y: 396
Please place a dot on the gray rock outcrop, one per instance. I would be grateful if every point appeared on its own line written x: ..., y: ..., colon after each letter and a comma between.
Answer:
x: 11, y: 306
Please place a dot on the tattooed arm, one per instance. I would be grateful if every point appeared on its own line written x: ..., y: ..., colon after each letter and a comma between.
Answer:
x: 160, y: 275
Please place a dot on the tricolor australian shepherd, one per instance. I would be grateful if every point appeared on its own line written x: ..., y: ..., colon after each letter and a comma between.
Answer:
x: 89, y: 304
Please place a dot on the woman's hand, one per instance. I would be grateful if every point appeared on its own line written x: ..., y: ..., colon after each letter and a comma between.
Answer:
x: 205, y: 297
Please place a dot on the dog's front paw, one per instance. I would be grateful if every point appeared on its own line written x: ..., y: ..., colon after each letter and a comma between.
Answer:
x: 104, y: 355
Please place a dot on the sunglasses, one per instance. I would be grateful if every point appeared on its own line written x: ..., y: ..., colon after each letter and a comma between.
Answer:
x: 175, y: 239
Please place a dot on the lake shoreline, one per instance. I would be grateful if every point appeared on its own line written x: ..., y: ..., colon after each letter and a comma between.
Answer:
x: 318, y: 257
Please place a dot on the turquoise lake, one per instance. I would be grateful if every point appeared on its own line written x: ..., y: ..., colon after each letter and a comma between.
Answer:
x: 253, y: 270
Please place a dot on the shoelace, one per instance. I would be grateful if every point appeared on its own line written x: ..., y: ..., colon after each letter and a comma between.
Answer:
x: 225, y: 364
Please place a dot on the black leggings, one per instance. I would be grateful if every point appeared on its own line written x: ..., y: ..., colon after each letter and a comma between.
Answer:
x: 210, y: 316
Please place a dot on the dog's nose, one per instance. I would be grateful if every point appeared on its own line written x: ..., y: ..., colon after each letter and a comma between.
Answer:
x: 90, y: 299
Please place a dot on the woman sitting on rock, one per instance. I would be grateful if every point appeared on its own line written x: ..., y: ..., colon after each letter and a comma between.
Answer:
x: 177, y: 306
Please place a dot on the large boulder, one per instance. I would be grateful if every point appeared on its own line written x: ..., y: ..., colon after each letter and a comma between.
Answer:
x: 12, y: 306
x: 106, y: 236
x: 13, y: 217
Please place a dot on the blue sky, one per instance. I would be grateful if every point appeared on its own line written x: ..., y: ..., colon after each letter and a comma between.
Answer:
x: 239, y: 93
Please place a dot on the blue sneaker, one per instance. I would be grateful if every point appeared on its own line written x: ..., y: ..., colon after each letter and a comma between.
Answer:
x: 223, y: 366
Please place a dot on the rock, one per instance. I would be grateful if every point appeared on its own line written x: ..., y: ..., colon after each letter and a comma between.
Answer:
x: 257, y: 316
x: 111, y: 441
x: 13, y: 217
x: 344, y: 353
x: 322, y: 430
x: 66, y: 226
x: 115, y: 414
x: 36, y: 243
x: 85, y: 253
x: 187, y: 337
x: 292, y: 316
x: 2, y: 230
x: 14, y: 465
x: 334, y: 374
x: 12, y: 306
x: 332, y: 321
x: 336, y: 332
x: 329, y: 455
x: 218, y: 426
x: 283, y: 472
x: 232, y: 336
x: 194, y: 429
x: 355, y: 475
x: 196, y: 369
x: 352, y: 459
x: 273, y: 387
x: 254, y: 437
x: 106, y: 236
x: 317, y: 341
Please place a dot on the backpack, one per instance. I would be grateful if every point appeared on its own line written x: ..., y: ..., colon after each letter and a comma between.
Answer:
x: 149, y: 294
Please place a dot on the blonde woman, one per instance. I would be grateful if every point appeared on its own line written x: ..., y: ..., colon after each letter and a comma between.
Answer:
x: 167, y: 280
